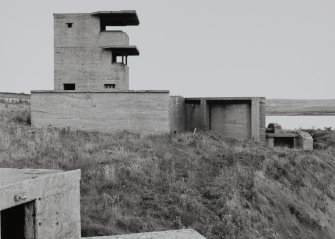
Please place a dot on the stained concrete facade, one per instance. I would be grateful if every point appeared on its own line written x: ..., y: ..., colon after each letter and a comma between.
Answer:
x: 39, y: 204
x: 145, y: 112
x: 86, y: 51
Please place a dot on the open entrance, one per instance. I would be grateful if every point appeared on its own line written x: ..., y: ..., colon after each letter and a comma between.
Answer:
x: 289, y: 142
x: 18, y: 222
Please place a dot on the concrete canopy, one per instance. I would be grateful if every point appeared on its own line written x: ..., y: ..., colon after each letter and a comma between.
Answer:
x: 123, y: 50
x: 118, y: 18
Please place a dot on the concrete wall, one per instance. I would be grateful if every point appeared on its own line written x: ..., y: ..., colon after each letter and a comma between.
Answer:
x: 262, y: 121
x: 232, y: 120
x: 55, y: 197
x: 79, y: 57
x: 137, y: 111
x: 177, y: 114
x: 193, y: 115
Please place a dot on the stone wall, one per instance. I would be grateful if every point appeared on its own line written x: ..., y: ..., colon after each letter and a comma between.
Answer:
x: 79, y: 57
x: 7, y: 97
x: 145, y: 112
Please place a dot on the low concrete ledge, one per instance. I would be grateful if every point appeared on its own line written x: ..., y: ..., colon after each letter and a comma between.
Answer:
x: 281, y: 135
x: 112, y: 92
x: 224, y: 98
x: 177, y: 234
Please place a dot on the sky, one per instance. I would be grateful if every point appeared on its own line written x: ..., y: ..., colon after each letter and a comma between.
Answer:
x: 194, y: 48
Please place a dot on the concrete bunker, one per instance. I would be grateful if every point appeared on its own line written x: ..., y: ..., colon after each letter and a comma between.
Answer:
x: 41, y: 204
x: 38, y: 204
x: 277, y: 137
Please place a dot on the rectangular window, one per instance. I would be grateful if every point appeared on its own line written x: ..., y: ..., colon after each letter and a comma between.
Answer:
x: 69, y: 86
x: 109, y: 86
x: 69, y: 24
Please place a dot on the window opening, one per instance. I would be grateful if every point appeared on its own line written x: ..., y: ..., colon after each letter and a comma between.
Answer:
x: 119, y: 59
x: 109, y: 86
x: 69, y: 24
x: 69, y: 86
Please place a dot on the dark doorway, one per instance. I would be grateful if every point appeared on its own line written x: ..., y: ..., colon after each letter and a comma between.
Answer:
x: 18, y: 222
x: 289, y: 142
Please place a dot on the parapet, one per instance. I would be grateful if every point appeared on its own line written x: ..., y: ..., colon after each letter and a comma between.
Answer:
x: 177, y: 234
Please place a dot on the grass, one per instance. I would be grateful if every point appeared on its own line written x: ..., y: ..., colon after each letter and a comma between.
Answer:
x: 222, y: 188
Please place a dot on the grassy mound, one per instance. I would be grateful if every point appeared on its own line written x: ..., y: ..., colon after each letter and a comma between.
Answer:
x: 222, y: 188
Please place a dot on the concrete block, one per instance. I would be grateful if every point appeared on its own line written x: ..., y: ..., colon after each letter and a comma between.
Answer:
x: 305, y: 140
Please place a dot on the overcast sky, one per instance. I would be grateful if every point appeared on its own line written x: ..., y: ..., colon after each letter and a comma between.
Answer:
x: 276, y: 49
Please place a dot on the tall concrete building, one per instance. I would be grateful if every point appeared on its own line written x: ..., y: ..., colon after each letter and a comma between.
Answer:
x: 91, y: 88
x: 89, y: 53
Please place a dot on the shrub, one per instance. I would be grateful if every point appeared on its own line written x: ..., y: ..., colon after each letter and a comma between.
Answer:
x: 22, y: 117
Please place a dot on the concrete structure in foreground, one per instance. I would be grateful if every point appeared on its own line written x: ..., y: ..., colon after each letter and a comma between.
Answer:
x: 45, y: 204
x: 91, y: 88
x: 39, y: 204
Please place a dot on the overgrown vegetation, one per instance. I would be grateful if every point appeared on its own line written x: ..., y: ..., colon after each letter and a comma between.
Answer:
x: 222, y: 188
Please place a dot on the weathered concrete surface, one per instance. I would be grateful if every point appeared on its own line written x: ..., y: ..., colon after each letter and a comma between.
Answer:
x: 177, y: 114
x: 177, y: 234
x: 232, y: 120
x: 54, y: 194
x: 145, y: 112
x: 193, y: 115
x: 305, y: 140
x: 79, y: 57
x: 290, y: 107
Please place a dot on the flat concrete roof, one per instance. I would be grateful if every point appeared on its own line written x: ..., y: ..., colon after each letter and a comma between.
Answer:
x: 123, y: 50
x: 107, y: 92
x: 118, y: 18
x: 225, y: 98
x: 177, y: 234
x: 281, y: 135
x: 10, y: 176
